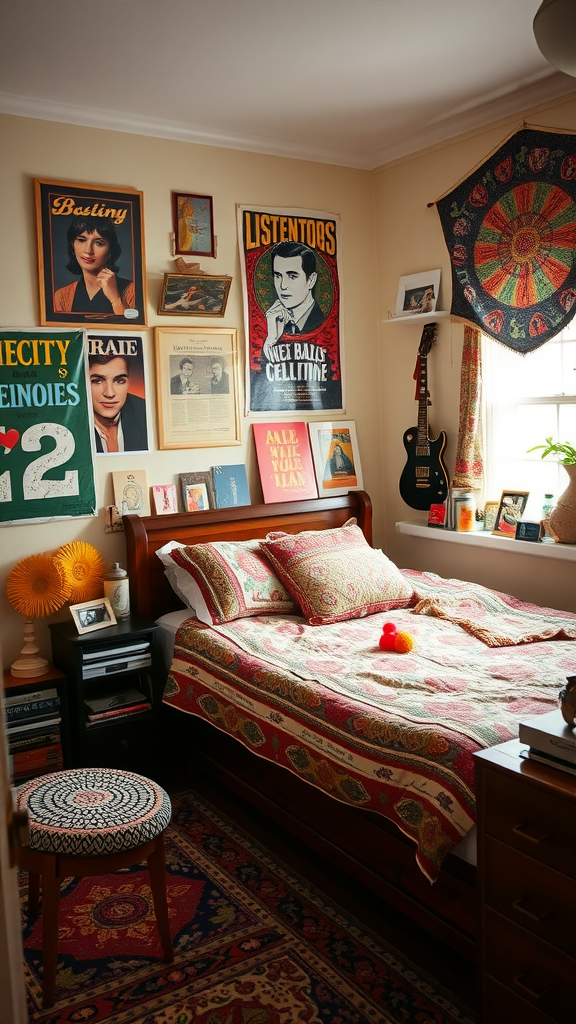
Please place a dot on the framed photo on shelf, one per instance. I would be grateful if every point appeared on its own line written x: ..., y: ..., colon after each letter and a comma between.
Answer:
x: 194, y: 295
x: 165, y: 499
x: 490, y: 513
x: 197, y: 491
x: 131, y: 492
x: 90, y: 255
x: 197, y: 387
x: 418, y: 293
x: 230, y: 486
x: 336, y: 457
x: 94, y: 614
x: 510, y: 511
x: 193, y: 220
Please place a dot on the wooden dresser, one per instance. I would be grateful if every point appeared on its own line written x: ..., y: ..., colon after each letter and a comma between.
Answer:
x: 526, y: 889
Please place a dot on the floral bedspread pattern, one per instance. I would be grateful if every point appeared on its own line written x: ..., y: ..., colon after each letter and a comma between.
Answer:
x: 391, y: 732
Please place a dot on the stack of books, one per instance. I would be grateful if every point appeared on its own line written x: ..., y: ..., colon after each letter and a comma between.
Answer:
x: 116, y: 704
x: 33, y: 730
x: 550, y: 741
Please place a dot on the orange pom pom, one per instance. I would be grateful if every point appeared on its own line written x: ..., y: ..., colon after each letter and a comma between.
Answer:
x: 403, y: 642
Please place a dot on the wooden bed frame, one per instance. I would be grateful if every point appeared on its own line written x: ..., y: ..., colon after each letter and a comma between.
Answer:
x: 364, y: 844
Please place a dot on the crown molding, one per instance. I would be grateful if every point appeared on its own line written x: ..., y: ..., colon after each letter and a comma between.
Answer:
x: 551, y: 87
x: 117, y: 121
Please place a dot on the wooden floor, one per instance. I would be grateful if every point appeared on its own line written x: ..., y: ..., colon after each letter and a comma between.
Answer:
x: 450, y: 970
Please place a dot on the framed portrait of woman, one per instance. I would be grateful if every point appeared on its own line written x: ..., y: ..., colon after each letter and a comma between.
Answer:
x: 90, y: 255
x: 336, y: 457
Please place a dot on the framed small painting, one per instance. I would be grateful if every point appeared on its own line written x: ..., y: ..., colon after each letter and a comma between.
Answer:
x: 94, y: 614
x: 510, y: 511
x: 90, y: 255
x: 190, y: 295
x: 336, y: 457
x: 193, y: 225
x: 196, y: 491
x: 418, y: 293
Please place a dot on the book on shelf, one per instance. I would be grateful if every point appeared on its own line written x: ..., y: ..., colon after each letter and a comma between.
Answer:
x: 44, y: 721
x: 24, y: 764
x: 26, y: 698
x: 31, y: 709
x: 114, y: 700
x: 550, y: 759
x: 29, y: 740
x: 549, y: 734
x: 33, y: 773
x: 131, y: 709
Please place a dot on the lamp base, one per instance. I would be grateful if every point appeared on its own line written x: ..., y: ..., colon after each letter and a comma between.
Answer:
x: 30, y: 663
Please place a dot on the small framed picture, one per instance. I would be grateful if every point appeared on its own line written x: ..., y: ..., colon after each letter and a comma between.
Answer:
x: 418, y: 293
x: 94, y: 614
x: 510, y: 511
x: 194, y: 295
x: 131, y: 492
x: 336, y: 457
x: 490, y: 513
x: 165, y: 500
x: 193, y: 225
x: 197, y: 491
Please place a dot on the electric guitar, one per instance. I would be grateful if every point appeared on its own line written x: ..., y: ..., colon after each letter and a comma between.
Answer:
x: 424, y: 480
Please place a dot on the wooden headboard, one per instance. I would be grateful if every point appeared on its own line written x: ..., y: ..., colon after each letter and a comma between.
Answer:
x: 150, y: 593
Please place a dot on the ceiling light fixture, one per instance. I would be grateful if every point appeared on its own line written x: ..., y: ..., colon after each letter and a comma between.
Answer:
x: 554, y: 30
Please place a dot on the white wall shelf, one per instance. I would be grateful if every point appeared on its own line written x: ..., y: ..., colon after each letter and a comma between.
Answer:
x: 417, y: 318
x: 481, y: 539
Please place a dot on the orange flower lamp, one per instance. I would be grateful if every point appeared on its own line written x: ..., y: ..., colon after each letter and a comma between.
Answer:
x: 35, y: 587
x: 83, y: 568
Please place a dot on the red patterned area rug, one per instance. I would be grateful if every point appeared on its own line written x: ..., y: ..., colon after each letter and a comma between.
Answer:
x: 254, y: 944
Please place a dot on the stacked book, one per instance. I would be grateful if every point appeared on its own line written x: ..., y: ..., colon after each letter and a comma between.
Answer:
x: 115, y: 704
x: 33, y: 731
x: 550, y: 741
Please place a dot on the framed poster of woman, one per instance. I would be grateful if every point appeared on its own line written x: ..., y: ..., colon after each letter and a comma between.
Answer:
x: 90, y: 255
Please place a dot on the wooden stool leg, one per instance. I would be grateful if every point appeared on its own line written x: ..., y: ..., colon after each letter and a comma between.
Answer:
x: 157, y: 873
x: 33, y: 891
x: 50, y: 920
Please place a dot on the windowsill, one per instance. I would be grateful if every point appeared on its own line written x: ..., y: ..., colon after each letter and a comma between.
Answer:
x: 481, y: 539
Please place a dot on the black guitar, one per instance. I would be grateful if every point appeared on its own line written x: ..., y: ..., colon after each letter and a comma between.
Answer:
x: 424, y: 480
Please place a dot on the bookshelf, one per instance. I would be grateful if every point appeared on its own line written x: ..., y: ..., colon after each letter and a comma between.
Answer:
x: 36, y: 729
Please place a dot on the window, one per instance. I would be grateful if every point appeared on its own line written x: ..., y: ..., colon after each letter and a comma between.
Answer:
x: 527, y: 399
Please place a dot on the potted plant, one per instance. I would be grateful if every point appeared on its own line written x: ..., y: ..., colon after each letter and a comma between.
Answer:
x: 562, y: 518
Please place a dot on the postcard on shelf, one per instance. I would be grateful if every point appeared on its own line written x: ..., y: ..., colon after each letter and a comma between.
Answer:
x: 230, y: 486
x: 197, y: 491
x: 165, y: 500
x: 131, y: 492
x: 284, y: 461
x: 336, y: 457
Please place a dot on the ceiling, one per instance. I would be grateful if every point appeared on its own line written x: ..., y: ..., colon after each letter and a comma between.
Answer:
x: 351, y: 82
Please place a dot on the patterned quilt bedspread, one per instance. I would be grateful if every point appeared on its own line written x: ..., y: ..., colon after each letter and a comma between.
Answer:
x: 394, y: 733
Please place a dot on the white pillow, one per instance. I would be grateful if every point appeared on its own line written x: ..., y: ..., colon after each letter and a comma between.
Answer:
x: 183, y: 584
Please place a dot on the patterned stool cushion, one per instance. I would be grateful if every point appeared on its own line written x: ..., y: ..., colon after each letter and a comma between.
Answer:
x: 90, y: 812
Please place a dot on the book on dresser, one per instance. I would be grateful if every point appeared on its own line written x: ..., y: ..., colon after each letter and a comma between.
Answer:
x: 31, y: 707
x: 550, y: 741
x: 33, y: 723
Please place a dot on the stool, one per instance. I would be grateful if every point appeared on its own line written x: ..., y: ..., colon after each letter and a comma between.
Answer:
x: 91, y: 821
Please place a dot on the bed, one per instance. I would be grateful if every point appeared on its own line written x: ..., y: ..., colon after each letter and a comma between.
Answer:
x: 366, y: 755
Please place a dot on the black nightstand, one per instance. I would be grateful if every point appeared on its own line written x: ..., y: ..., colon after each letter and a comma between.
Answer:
x: 98, y: 666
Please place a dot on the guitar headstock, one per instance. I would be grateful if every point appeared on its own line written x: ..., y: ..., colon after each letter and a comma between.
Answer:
x: 427, y: 340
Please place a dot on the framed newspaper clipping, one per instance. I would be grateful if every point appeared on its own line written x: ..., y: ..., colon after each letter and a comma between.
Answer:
x: 197, y: 387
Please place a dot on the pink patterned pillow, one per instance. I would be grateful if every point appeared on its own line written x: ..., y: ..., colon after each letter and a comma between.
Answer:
x: 234, y: 579
x: 335, y: 574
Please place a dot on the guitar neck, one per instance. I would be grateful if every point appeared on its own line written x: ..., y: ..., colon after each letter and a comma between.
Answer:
x: 423, y: 443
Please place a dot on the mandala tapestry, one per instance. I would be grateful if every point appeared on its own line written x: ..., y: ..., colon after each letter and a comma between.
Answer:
x: 510, y: 228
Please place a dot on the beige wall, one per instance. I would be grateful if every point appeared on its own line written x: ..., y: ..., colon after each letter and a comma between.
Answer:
x: 41, y: 149
x: 410, y: 240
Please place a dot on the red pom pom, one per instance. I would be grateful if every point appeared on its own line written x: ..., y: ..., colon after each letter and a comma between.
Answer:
x: 389, y: 627
x: 387, y: 641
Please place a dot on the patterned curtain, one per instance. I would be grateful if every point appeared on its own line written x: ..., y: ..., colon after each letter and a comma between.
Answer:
x: 470, y: 454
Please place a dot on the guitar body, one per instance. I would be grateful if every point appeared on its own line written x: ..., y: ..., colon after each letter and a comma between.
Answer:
x: 424, y: 480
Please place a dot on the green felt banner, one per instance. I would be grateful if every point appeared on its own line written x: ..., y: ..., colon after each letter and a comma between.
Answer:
x: 46, y: 468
